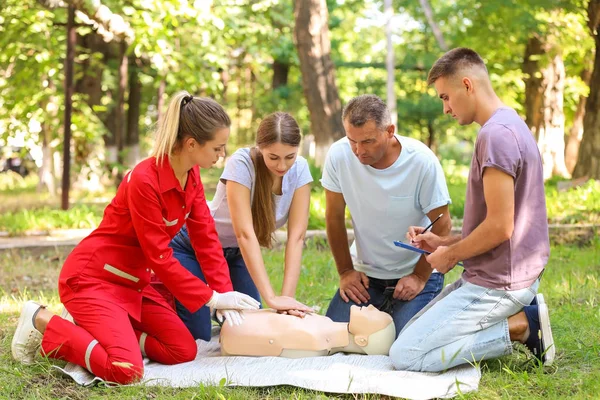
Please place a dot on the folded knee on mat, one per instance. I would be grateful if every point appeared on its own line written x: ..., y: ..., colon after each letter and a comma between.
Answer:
x: 125, y: 372
x: 405, y: 359
x: 185, y: 352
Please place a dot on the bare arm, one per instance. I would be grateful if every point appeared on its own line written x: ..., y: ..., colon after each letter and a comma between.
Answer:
x: 353, y: 284
x: 497, y: 227
x: 238, y: 201
x: 337, y: 236
x: 297, y: 224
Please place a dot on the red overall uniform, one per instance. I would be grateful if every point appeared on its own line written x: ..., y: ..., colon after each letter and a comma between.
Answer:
x: 104, y: 281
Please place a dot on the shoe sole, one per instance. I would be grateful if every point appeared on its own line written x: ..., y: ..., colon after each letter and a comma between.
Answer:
x: 549, y: 351
x: 16, y: 335
x: 540, y: 298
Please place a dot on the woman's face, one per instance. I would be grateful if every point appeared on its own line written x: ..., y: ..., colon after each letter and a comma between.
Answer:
x: 279, y: 157
x: 207, y: 154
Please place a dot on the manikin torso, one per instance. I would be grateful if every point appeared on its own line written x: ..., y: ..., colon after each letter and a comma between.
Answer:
x: 267, y: 333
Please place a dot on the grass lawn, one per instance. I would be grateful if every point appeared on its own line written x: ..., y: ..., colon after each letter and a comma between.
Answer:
x: 571, y: 286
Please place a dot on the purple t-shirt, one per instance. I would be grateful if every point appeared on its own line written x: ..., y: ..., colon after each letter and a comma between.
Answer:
x: 505, y: 142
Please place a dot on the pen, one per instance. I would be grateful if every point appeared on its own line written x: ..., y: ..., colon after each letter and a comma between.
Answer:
x: 431, y: 224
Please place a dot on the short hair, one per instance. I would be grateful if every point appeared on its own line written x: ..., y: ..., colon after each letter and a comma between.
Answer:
x: 452, y: 62
x: 367, y: 107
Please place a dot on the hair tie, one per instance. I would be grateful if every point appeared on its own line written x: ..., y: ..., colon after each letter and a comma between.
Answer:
x: 187, y: 99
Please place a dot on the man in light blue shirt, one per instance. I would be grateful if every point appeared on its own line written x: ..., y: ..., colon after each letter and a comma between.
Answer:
x: 388, y: 182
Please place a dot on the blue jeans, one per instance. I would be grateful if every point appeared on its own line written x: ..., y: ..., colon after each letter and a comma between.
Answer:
x: 199, y: 322
x: 400, y: 310
x: 465, y: 323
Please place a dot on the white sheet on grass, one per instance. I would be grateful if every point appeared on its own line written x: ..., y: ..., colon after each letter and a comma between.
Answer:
x: 340, y: 373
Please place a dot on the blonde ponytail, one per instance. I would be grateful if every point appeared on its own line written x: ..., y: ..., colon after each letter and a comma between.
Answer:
x: 188, y: 116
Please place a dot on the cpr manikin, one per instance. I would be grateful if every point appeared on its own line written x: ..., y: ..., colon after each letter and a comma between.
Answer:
x: 267, y: 333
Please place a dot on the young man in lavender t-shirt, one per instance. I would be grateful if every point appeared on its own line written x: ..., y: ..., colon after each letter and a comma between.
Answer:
x: 504, y: 241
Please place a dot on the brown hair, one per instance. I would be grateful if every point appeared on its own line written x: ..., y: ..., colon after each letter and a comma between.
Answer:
x: 367, y: 107
x: 188, y: 116
x: 278, y: 127
x: 452, y: 62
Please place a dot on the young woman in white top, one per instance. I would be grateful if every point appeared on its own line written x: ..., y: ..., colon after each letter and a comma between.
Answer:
x: 261, y: 189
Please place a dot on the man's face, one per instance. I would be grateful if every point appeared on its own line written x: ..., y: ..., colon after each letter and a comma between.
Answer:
x: 368, y: 142
x: 456, y: 94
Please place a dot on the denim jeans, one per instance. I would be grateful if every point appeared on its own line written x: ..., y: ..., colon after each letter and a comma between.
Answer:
x: 401, y: 311
x: 465, y: 323
x: 199, y: 322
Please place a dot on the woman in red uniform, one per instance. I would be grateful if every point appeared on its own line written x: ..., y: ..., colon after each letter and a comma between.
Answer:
x: 104, y: 282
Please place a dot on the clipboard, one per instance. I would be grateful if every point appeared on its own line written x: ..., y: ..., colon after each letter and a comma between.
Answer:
x: 409, y: 247
x: 416, y: 249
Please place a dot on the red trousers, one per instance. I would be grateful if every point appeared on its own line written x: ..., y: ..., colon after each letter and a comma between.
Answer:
x: 110, y: 344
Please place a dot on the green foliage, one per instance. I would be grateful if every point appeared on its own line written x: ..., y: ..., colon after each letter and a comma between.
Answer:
x: 576, y: 205
x: 49, y: 218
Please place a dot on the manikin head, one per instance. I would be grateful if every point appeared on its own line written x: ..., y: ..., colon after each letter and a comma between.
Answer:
x: 374, y: 331
x: 462, y: 82
x: 369, y: 129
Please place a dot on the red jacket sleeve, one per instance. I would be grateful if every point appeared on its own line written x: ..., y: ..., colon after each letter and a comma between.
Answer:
x: 146, y: 217
x: 206, y: 244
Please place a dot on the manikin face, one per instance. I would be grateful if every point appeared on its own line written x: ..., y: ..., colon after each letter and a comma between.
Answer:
x: 207, y: 154
x: 458, y: 99
x: 367, y: 320
x: 279, y: 158
x: 369, y: 143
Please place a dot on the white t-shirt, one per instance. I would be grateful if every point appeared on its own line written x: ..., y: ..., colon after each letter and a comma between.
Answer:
x: 240, y: 169
x: 383, y: 203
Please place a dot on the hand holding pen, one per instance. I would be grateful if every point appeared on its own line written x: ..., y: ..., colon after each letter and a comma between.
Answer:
x: 428, y: 242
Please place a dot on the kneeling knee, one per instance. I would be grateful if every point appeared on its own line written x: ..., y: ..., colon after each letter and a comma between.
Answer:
x: 403, y: 358
x: 184, y: 352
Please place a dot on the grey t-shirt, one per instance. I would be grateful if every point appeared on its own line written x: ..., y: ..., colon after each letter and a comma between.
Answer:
x: 505, y: 143
x: 240, y: 169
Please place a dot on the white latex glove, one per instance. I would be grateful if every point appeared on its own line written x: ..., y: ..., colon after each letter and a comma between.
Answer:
x: 232, y: 301
x: 233, y: 317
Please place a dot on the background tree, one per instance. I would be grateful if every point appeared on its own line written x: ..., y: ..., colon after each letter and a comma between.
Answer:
x: 588, y: 163
x: 311, y: 35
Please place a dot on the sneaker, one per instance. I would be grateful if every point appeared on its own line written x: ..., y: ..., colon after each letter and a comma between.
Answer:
x: 540, y: 341
x: 27, y: 339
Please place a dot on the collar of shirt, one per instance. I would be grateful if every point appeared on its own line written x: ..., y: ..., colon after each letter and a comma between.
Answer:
x: 167, y: 179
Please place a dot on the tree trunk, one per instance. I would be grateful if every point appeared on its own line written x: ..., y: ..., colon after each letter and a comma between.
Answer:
x: 544, y: 93
x: 281, y: 71
x: 311, y: 36
x: 132, y: 135
x: 588, y: 163
x: 576, y: 131
x: 69, y: 88
x: 389, y: 63
x: 433, y: 25
x: 46, y: 172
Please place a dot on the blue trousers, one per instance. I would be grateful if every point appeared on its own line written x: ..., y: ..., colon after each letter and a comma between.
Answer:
x: 199, y: 322
x: 400, y: 310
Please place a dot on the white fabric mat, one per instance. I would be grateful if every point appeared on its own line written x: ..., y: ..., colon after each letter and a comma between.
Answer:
x: 340, y: 373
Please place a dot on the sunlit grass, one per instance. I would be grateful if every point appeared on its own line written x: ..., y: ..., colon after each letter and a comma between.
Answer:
x: 571, y: 286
